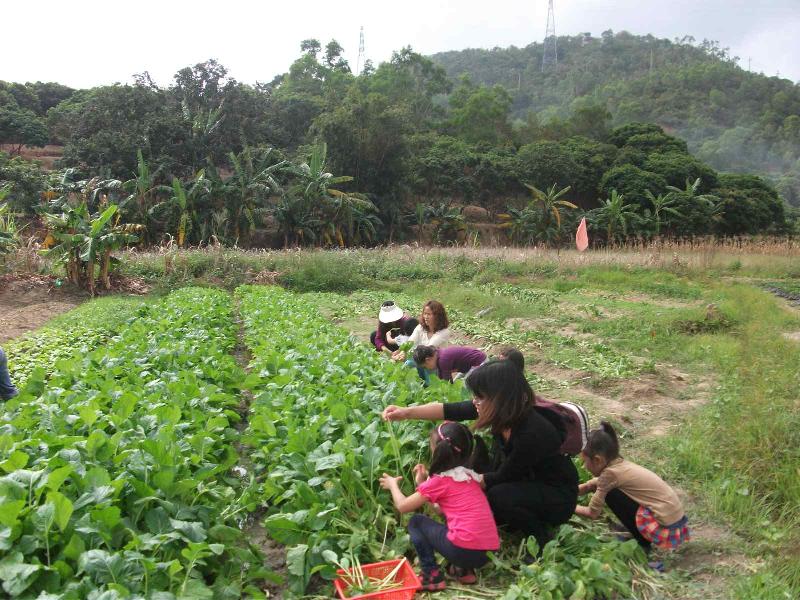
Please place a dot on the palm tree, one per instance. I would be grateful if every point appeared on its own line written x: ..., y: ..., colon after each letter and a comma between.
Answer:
x: 551, y: 200
x: 142, y: 190
x: 615, y: 215
x: 313, y: 209
x: 253, y: 181
x: 8, y: 226
x: 83, y: 238
x: 182, y: 204
x: 522, y: 223
x: 663, y: 204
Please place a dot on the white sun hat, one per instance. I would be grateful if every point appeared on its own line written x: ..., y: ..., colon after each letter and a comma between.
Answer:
x: 390, y: 312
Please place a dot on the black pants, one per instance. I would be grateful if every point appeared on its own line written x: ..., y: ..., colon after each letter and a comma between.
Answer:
x: 624, y: 508
x: 532, y: 507
x: 391, y: 347
x: 428, y: 536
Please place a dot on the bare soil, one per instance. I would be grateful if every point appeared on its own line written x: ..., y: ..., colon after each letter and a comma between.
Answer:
x: 28, y: 302
x: 253, y: 527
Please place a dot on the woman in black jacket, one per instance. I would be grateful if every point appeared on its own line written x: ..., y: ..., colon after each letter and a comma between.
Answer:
x: 530, y: 484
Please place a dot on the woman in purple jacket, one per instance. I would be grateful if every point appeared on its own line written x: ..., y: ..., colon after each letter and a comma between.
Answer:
x: 448, y: 362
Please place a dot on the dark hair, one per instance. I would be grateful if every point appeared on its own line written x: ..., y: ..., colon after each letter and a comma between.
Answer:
x: 409, y: 326
x: 603, y: 442
x: 423, y: 353
x: 513, y: 355
x: 507, y: 393
x: 454, y: 446
x: 439, y: 316
x: 384, y: 327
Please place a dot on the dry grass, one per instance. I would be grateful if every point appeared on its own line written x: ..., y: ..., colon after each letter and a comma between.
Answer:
x: 759, y: 258
x: 707, y: 253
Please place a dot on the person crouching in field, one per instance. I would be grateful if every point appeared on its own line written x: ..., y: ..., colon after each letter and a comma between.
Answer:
x: 433, y: 329
x: 7, y: 389
x: 390, y: 318
x: 451, y: 484
x: 644, y: 504
x: 403, y: 334
x: 448, y: 362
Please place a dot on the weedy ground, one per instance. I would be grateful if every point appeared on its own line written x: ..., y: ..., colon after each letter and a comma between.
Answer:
x: 691, y: 356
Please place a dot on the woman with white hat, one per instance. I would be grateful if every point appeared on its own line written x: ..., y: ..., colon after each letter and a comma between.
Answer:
x: 390, y: 317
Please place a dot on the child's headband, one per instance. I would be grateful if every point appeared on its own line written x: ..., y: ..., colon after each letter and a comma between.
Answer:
x: 442, y: 436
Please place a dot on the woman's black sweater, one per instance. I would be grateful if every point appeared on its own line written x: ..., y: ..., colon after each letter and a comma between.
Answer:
x: 532, y: 452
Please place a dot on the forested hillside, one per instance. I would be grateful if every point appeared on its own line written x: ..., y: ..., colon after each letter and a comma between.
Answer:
x: 733, y: 119
x: 322, y: 156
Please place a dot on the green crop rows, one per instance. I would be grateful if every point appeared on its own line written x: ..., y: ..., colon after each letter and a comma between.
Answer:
x: 116, y: 479
x: 318, y: 437
x: 77, y: 332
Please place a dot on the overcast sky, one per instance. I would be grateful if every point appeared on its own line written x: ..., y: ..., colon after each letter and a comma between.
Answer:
x: 84, y: 43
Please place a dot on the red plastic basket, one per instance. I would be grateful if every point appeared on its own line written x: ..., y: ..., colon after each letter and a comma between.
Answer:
x: 406, y: 576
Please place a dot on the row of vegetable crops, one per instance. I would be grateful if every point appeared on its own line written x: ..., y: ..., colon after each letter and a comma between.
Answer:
x: 117, y: 480
x: 318, y: 438
x: 77, y: 332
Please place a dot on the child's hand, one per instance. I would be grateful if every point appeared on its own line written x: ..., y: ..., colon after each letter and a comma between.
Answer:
x: 398, y: 355
x: 420, y: 474
x: 389, y: 481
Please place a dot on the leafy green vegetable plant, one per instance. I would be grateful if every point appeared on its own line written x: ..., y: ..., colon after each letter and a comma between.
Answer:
x: 116, y: 479
x: 316, y: 436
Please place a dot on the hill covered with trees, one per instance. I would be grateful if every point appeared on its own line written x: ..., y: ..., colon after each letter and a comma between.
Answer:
x: 322, y: 156
x: 735, y: 120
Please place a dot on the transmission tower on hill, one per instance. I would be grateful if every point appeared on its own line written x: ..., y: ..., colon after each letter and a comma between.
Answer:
x: 360, y: 60
x: 550, y: 57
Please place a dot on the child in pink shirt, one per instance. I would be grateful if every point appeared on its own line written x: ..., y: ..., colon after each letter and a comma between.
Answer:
x: 449, y: 483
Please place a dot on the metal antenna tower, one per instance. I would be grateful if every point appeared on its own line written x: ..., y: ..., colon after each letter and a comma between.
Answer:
x: 360, y: 60
x: 550, y: 58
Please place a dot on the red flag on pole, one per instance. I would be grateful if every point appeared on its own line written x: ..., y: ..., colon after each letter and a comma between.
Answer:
x: 581, y: 237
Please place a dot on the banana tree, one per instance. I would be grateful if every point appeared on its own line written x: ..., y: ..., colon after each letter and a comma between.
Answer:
x: 614, y: 215
x: 83, y: 240
x: 447, y: 221
x: 312, y: 209
x: 181, y: 205
x: 64, y: 238
x: 550, y: 202
x: 8, y: 226
x: 95, y: 192
x: 522, y: 224
x: 663, y: 206
x: 253, y: 181
x: 296, y: 221
x: 142, y: 191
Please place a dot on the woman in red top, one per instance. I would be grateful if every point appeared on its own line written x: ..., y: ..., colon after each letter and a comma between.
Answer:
x: 451, y: 484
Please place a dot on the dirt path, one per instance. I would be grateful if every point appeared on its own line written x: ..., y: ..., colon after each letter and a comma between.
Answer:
x: 27, y: 304
x: 648, y: 407
x: 253, y: 526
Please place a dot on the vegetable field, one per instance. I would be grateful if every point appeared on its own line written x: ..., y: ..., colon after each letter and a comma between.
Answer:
x: 152, y: 436
x: 116, y: 470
